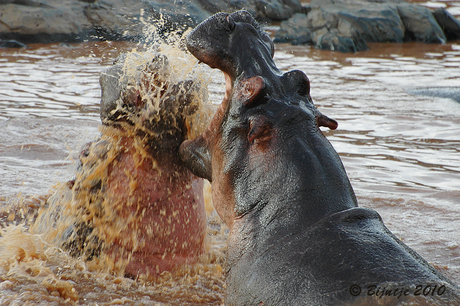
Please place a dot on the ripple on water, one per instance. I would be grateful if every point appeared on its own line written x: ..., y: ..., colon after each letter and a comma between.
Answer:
x: 55, y: 80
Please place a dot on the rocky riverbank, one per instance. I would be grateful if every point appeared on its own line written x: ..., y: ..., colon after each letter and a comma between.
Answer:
x: 342, y: 25
x: 43, y: 21
x: 347, y: 25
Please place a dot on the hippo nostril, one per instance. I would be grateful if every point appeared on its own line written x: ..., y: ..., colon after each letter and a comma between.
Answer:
x: 231, y: 23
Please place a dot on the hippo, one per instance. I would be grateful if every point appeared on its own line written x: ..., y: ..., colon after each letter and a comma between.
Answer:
x: 297, y: 235
x: 134, y: 199
x: 448, y: 92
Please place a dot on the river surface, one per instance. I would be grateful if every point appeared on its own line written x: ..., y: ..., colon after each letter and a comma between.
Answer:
x: 401, y: 152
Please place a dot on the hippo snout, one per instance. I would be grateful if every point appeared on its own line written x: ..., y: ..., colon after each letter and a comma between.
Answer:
x: 205, y: 41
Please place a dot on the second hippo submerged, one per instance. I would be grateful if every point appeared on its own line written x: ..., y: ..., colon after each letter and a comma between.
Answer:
x: 134, y: 206
x: 297, y: 235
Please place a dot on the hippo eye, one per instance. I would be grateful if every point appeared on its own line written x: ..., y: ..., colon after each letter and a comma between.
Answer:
x: 260, y: 130
x: 231, y: 23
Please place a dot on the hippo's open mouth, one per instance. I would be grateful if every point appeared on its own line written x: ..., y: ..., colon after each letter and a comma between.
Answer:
x: 222, y: 41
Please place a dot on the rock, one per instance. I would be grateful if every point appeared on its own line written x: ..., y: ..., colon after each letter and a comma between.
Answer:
x: 295, y: 30
x: 114, y: 21
x: 30, y: 21
x: 278, y: 9
x: 448, y: 24
x: 347, y: 25
x: 214, y: 6
x: 53, y: 21
x: 333, y: 41
x: 420, y: 24
x: 11, y: 44
x: 375, y: 24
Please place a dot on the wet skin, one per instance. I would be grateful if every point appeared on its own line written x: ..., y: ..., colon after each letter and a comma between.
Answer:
x: 297, y: 236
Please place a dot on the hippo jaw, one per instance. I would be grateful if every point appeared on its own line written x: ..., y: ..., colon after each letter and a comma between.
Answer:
x: 224, y: 40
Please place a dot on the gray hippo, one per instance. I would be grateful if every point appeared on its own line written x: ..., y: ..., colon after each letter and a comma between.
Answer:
x: 448, y: 92
x: 297, y: 235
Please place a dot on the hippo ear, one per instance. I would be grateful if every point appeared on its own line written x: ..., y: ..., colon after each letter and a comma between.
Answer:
x: 250, y: 91
x: 323, y: 120
x: 195, y: 155
x: 297, y: 81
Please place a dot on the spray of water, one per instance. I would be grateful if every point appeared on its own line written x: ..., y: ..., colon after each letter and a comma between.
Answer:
x: 127, y: 200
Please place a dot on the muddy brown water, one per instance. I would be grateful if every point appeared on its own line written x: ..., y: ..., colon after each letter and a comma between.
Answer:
x: 401, y: 152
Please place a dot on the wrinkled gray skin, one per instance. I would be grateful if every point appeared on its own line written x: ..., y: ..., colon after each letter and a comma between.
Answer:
x: 297, y: 236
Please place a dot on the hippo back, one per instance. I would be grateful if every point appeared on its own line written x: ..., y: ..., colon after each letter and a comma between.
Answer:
x: 347, y: 258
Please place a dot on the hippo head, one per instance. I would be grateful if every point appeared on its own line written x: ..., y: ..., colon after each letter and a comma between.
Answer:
x: 138, y: 92
x: 263, y: 145
x: 229, y: 42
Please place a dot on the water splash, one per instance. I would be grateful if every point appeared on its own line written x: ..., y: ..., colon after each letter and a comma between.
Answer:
x: 126, y: 199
